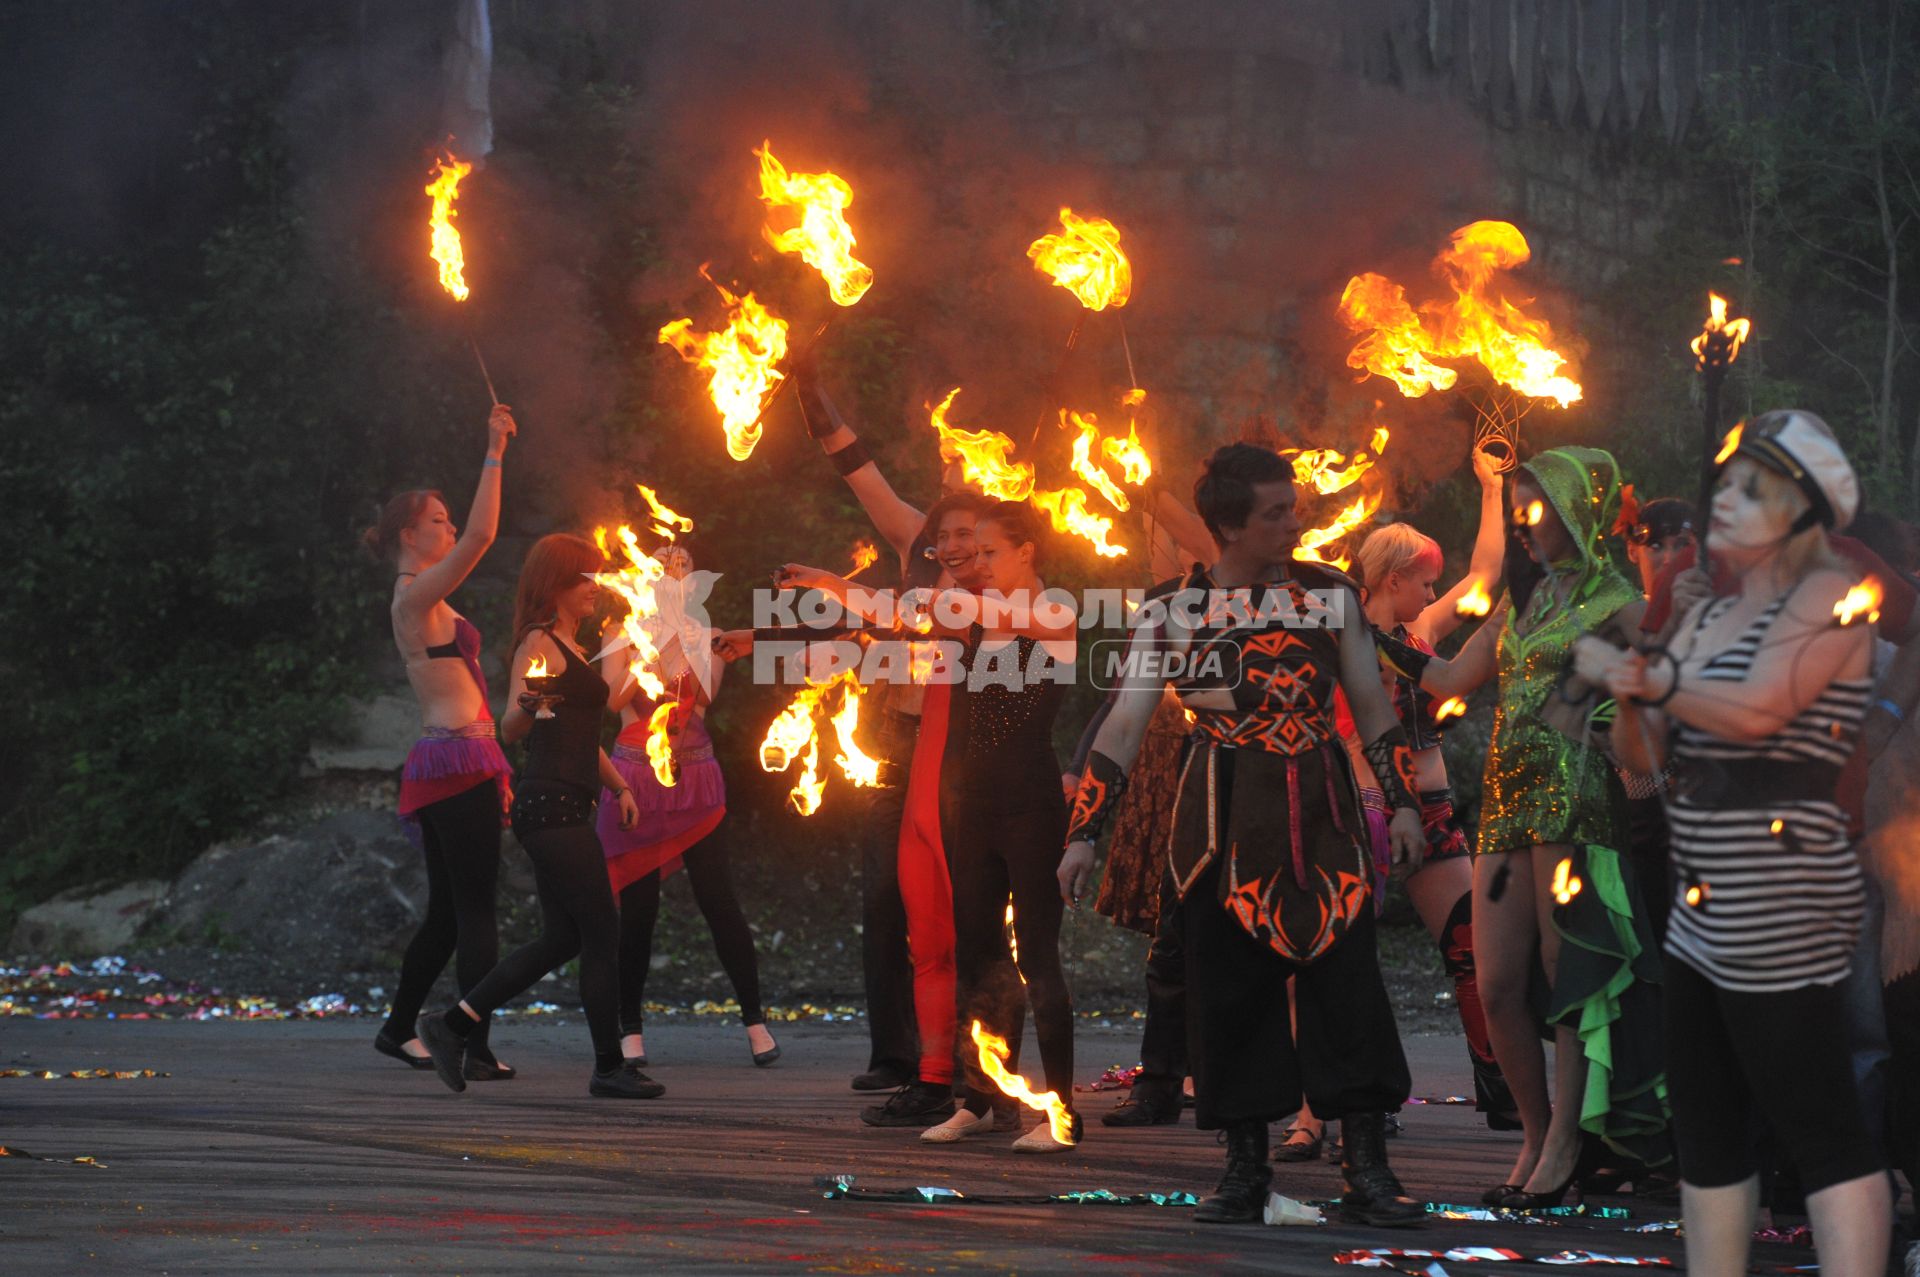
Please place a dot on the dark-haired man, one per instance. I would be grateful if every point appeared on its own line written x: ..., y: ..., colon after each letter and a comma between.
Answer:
x: 1267, y: 853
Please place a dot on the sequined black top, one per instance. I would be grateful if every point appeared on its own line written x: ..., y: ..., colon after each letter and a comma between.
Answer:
x: 1000, y: 724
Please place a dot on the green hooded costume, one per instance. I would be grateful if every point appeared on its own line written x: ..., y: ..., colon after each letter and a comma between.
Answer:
x: 1543, y: 787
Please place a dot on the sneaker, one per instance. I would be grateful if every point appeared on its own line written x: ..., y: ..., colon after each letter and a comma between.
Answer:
x: 916, y: 1104
x: 963, y: 1123
x: 449, y: 1052
x: 625, y: 1084
x: 1040, y: 1139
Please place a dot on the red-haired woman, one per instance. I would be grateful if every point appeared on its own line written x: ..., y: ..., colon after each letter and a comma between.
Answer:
x: 454, y: 786
x: 553, y: 819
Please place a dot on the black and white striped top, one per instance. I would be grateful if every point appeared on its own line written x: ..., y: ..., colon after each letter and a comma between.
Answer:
x: 1780, y: 911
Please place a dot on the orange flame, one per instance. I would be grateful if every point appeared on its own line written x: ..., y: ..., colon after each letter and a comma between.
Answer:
x: 1452, y: 707
x: 1862, y: 600
x: 740, y: 361
x: 1403, y: 345
x: 446, y: 250
x: 1315, y: 539
x: 1697, y: 894
x: 660, y: 745
x: 794, y: 735
x: 1083, y: 463
x: 1475, y: 602
x: 1067, y: 509
x: 1730, y: 444
x: 822, y: 238
x: 993, y: 1062
x: 1136, y: 466
x: 1327, y: 471
x: 665, y: 522
x: 864, y: 555
x: 537, y: 667
x: 634, y: 580
x: 1776, y: 826
x: 1566, y: 885
x: 1530, y: 516
x: 1086, y: 261
x: 1735, y: 330
x: 983, y: 456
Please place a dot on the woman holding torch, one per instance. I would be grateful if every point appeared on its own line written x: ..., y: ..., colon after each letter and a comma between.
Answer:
x: 455, y: 784
x: 1757, y: 706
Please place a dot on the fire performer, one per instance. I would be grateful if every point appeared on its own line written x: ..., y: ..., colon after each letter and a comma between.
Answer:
x: 1398, y: 568
x: 1549, y: 837
x: 680, y: 824
x: 455, y: 787
x: 1759, y: 707
x: 1002, y: 815
x: 553, y: 819
x: 1266, y: 850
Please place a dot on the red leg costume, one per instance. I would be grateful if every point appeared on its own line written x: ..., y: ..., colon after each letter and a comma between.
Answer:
x: 928, y: 893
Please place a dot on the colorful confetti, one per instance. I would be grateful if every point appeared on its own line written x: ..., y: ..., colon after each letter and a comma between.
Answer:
x: 841, y: 1188
x: 118, y: 1075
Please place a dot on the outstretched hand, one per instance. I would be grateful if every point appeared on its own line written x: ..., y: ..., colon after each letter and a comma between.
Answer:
x: 731, y: 645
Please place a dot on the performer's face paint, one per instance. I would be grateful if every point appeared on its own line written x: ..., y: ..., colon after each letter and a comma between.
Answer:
x: 999, y: 563
x: 432, y: 535
x: 1753, y: 510
x: 1547, y: 540
x: 956, y: 546
x: 1273, y: 528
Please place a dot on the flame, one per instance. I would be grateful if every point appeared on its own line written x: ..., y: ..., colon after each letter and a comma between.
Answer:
x: 1086, y: 261
x: 1083, y: 463
x: 1403, y: 345
x: 633, y: 581
x: 794, y: 734
x: 1862, y: 599
x: 1013, y: 939
x: 1697, y: 894
x: 1777, y: 825
x: 983, y: 456
x: 1327, y: 471
x: 1379, y: 440
x: 864, y: 555
x: 1734, y: 331
x: 993, y: 1062
x: 1475, y: 602
x: 660, y: 744
x: 740, y: 361
x: 537, y: 667
x: 1729, y: 445
x: 1530, y: 516
x: 665, y: 522
x: 1067, y: 509
x: 1136, y: 467
x: 1452, y: 707
x: 1565, y: 884
x: 1314, y: 540
x: 446, y: 250
x: 823, y: 239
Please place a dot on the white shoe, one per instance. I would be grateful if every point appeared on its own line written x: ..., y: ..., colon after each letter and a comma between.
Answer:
x: 957, y: 1127
x: 1040, y: 1140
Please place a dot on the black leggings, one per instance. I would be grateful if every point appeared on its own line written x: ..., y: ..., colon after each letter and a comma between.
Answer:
x: 578, y: 917
x: 710, y: 874
x: 992, y: 854
x: 1784, y: 1054
x: 461, y: 838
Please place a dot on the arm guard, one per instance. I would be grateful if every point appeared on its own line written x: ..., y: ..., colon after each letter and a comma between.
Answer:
x: 1085, y: 748
x: 1100, y: 788
x: 1392, y: 763
x: 1401, y: 657
x: 818, y: 411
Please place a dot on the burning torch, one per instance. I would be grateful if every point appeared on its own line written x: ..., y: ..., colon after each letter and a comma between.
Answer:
x: 446, y: 250
x: 1714, y: 351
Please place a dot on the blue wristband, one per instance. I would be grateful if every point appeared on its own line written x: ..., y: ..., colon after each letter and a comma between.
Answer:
x: 491, y: 463
x: 1899, y: 715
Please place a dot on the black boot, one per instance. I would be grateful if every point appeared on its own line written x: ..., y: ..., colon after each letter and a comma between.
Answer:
x: 1242, y: 1194
x: 1148, y: 1104
x: 1374, y: 1196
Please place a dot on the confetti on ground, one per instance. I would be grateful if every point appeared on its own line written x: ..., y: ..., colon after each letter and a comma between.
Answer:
x: 841, y: 1188
x: 118, y: 1075
x: 1492, y: 1254
x: 7, y: 1150
x: 1118, y: 1077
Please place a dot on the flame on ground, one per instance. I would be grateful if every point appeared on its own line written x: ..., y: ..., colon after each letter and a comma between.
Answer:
x: 446, y: 250
x: 822, y: 238
x: 993, y: 1061
x: 1862, y: 600
x: 1086, y: 260
x: 1475, y: 602
x: 1403, y: 344
x: 1734, y: 331
x: 983, y: 456
x: 740, y: 361
x: 1067, y: 509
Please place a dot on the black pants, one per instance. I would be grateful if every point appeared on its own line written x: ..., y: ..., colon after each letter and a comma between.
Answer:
x: 1163, y: 1044
x: 709, y: 871
x: 578, y: 918
x: 461, y: 839
x: 1782, y: 1055
x: 1650, y: 851
x: 885, y: 962
x: 992, y: 854
x: 1246, y: 1063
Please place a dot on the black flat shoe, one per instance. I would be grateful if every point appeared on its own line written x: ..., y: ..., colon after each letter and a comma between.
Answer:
x: 484, y: 1068
x: 449, y: 1052
x: 625, y: 1084
x: 882, y: 1077
x: 1144, y: 1108
x: 387, y: 1046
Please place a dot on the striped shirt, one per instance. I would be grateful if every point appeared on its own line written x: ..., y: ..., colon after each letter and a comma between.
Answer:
x: 1777, y: 911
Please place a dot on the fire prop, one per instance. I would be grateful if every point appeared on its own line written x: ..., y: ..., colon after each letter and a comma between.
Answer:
x: 1407, y: 346
x: 865, y: 555
x: 1452, y: 707
x: 636, y: 581
x: 1566, y: 884
x: 794, y: 737
x: 1328, y: 472
x: 822, y: 237
x: 1475, y: 602
x: 445, y: 249
x: 1714, y: 351
x: 539, y: 680
x: 741, y: 362
x: 1066, y: 509
x: 1086, y: 261
x: 994, y: 1051
x: 1862, y: 600
x: 983, y: 456
x: 1136, y: 467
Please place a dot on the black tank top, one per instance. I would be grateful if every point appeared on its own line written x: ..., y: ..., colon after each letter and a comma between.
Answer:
x: 1000, y: 726
x: 566, y: 747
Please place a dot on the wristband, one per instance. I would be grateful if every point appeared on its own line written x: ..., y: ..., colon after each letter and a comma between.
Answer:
x: 1899, y: 715
x: 1672, y: 687
x: 821, y: 418
x: 491, y: 463
x: 1392, y: 761
x: 850, y: 458
x: 1100, y: 787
